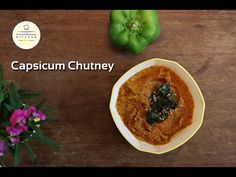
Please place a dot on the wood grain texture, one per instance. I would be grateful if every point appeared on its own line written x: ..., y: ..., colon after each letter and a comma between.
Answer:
x: 202, y: 41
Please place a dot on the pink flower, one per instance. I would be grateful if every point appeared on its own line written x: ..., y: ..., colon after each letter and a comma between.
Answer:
x: 35, y: 113
x: 23, y: 128
x: 16, y: 130
x: 19, y: 122
x: 13, y: 131
x: 40, y: 115
x: 15, y: 140
x: 32, y: 109
x: 19, y: 116
x: 3, y: 148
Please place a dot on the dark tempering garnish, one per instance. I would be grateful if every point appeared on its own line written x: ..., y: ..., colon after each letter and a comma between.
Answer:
x: 162, y: 101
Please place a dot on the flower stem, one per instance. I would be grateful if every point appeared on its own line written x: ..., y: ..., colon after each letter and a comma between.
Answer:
x: 2, y: 164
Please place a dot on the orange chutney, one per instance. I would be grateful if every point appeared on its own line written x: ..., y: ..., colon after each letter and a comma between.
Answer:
x: 133, y: 104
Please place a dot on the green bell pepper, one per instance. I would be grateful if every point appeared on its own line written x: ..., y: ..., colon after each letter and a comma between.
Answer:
x: 134, y: 29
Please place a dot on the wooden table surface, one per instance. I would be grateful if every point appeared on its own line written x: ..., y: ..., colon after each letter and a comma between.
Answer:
x: 202, y: 41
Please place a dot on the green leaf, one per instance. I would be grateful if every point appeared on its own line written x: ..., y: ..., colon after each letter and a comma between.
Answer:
x: 9, y: 108
x: 14, y: 98
x: 17, y: 157
x: 2, y: 161
x: 47, y: 110
x: 26, y: 135
x: 162, y: 101
x: 5, y: 114
x: 8, y: 82
x: 4, y: 158
x: 50, y: 142
x: 1, y: 96
x: 41, y: 103
x: 46, y: 140
x: 38, y: 132
x: 28, y: 95
x: 1, y: 75
x: 31, y: 124
x: 3, y: 132
x: 30, y: 151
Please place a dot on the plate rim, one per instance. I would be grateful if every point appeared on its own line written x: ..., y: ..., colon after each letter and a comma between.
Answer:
x: 132, y: 68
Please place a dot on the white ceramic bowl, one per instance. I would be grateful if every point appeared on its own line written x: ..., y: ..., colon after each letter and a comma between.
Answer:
x: 180, y: 137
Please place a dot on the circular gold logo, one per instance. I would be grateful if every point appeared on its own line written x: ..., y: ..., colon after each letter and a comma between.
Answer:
x: 26, y: 35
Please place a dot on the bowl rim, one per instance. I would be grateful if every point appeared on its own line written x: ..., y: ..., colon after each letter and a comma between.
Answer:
x: 113, y: 114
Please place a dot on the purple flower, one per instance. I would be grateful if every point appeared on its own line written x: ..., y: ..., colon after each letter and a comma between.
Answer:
x: 19, y: 116
x: 18, y: 125
x: 3, y: 148
x: 32, y: 109
x: 15, y: 140
x: 22, y: 127
x: 13, y: 131
x: 19, y: 122
x: 35, y: 113
x: 40, y: 115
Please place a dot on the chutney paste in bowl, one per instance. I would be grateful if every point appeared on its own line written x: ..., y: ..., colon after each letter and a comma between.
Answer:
x: 154, y: 104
